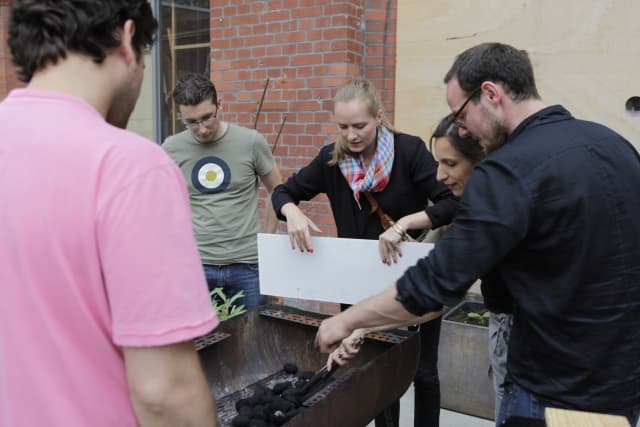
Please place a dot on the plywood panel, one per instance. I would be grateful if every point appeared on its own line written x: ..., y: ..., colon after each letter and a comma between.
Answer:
x: 586, y: 54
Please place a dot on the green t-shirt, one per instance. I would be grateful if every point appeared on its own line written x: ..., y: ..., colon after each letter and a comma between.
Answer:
x: 222, y: 180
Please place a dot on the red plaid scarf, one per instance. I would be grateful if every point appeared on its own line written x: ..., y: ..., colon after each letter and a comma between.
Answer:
x: 376, y: 177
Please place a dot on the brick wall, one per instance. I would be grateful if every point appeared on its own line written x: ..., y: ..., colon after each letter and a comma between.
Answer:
x: 307, y: 48
x: 8, y: 79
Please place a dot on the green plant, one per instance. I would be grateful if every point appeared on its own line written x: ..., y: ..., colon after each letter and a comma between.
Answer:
x: 471, y: 317
x: 479, y: 318
x: 223, y: 305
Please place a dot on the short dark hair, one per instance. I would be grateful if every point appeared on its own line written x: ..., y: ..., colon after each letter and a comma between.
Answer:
x: 41, y: 32
x: 496, y: 62
x: 468, y: 147
x: 194, y: 88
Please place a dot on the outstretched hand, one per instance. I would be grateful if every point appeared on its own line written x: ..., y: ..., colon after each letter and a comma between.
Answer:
x: 299, y: 228
x: 389, y: 246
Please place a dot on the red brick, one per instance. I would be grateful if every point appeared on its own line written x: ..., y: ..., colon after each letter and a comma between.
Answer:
x: 306, y: 24
x: 277, y: 15
x: 244, y: 19
x: 307, y: 12
x: 310, y: 59
x: 274, y: 27
x: 290, y: 37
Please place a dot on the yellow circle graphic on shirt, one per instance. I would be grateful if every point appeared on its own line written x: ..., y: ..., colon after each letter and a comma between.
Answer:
x: 211, y: 175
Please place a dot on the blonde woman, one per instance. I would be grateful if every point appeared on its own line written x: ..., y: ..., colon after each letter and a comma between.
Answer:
x: 369, y: 155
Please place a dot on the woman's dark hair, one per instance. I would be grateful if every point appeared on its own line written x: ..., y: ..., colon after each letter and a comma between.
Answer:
x: 41, y: 32
x: 468, y: 147
x: 496, y: 62
x: 194, y: 88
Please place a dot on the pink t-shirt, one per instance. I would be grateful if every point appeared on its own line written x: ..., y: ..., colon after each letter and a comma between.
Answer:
x: 96, y: 253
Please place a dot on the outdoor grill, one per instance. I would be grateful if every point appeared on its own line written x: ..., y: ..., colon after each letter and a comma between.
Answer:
x: 250, y: 351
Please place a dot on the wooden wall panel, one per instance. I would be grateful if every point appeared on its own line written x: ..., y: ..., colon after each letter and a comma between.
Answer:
x: 586, y: 54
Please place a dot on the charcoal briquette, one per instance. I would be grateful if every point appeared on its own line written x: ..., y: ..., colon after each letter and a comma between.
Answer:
x: 280, y: 404
x: 242, y: 402
x: 241, y: 421
x: 260, y: 411
x: 280, y: 387
x: 278, y: 418
x: 290, y: 368
x: 246, y: 411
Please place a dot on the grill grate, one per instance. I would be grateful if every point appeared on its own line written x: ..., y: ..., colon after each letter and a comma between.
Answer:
x: 209, y: 339
x: 388, y: 337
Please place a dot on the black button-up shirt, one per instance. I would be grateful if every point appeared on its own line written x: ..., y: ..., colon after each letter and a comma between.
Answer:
x: 555, y: 213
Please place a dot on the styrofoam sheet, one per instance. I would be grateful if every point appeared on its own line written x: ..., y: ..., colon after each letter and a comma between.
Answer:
x: 340, y: 270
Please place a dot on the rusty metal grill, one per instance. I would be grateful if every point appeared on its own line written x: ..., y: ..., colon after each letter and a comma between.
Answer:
x: 249, y: 352
x: 388, y: 337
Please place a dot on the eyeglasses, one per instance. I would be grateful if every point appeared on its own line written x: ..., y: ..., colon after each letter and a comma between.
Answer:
x: 205, y: 120
x: 458, y: 118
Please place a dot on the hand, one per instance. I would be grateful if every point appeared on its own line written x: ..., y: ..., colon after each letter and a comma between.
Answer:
x: 347, y: 350
x: 389, y: 246
x: 331, y: 332
x: 298, y: 225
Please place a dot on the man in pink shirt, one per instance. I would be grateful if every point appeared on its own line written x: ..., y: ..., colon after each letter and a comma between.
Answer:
x: 101, y: 288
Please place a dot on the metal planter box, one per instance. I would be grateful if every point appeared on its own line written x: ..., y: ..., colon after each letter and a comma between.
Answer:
x: 463, y: 364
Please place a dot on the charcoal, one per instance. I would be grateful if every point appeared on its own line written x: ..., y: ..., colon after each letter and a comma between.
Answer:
x: 290, y: 368
x: 279, y: 404
x: 260, y: 411
x: 280, y: 387
x: 241, y: 421
x: 278, y: 418
x: 242, y: 402
x: 306, y: 375
x: 246, y: 411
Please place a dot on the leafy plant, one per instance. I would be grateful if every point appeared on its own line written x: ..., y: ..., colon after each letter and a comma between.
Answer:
x: 479, y: 318
x: 471, y: 317
x: 224, y: 306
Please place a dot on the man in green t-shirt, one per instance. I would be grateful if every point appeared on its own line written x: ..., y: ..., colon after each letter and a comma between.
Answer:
x: 221, y: 162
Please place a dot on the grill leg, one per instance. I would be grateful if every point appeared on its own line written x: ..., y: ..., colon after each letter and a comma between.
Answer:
x: 390, y: 417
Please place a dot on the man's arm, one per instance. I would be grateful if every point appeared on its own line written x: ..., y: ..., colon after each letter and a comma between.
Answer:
x: 168, y: 387
x: 378, y: 311
x: 270, y: 181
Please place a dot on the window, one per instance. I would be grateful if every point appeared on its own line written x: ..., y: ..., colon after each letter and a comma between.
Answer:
x: 184, y: 45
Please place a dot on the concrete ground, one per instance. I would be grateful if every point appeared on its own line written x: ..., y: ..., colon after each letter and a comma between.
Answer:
x: 447, y: 418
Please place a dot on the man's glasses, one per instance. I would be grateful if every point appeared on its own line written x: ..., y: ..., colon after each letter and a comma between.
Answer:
x: 205, y: 120
x: 458, y: 118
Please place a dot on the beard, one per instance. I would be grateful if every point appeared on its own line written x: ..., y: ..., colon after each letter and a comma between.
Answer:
x: 499, y: 135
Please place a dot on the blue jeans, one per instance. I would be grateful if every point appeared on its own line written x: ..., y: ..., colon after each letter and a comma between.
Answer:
x: 233, y: 278
x: 499, y: 330
x: 519, y: 402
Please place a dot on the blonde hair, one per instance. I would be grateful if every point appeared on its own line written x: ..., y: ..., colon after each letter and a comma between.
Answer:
x: 362, y: 90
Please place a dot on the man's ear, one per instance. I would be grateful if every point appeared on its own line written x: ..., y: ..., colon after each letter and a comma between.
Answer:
x: 126, y: 41
x: 494, y: 92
